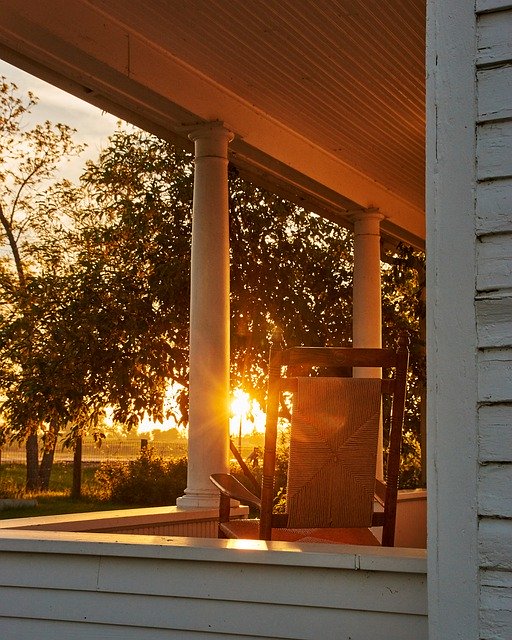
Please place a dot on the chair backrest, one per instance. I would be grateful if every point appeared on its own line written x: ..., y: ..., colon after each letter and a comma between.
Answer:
x: 334, y: 436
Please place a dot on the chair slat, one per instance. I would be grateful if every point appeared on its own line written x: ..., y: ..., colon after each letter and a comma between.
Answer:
x: 338, y: 357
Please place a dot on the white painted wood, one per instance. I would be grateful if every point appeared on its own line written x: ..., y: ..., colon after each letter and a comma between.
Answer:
x: 157, y: 577
x: 208, y: 431
x: 492, y: 5
x: 494, y: 319
x: 367, y: 303
x: 494, y: 206
x: 200, y: 529
x: 496, y: 605
x: 495, y: 375
x: 411, y: 519
x: 367, y: 298
x: 495, y: 543
x: 494, y: 90
x: 451, y: 335
x: 90, y: 53
x: 494, y: 149
x: 494, y: 44
x: 492, y: 578
x: 239, y: 551
x: 494, y: 495
x: 103, y: 585
x: 18, y: 629
x: 215, y: 617
x: 170, y: 520
x: 494, y: 262
x: 496, y: 621
x: 495, y: 433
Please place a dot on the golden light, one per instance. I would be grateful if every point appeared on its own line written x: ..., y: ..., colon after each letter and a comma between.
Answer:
x: 240, y: 404
x: 246, y: 414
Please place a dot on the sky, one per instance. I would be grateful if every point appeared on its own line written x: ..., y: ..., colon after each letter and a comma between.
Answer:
x: 93, y: 125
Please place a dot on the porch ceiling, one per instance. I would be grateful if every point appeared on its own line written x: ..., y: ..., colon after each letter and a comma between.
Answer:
x: 326, y: 98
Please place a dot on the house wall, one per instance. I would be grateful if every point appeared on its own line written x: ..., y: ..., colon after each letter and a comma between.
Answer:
x: 493, y: 302
x: 127, y: 587
x: 469, y: 229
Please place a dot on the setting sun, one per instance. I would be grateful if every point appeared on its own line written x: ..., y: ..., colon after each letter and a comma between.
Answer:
x: 246, y: 415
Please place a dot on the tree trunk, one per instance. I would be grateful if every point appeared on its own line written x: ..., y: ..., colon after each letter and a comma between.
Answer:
x: 45, y: 468
x: 32, y: 458
x: 76, y: 489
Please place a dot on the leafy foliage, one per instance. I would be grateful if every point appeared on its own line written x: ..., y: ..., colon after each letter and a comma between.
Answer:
x: 29, y: 160
x: 147, y: 481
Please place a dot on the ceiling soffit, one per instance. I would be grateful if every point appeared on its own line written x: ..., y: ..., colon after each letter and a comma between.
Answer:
x: 326, y: 97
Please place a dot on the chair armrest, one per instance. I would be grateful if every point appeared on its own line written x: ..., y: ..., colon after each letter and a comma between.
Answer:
x: 229, y: 486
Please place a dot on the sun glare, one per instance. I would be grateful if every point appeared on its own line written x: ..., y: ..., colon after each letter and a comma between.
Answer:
x: 246, y: 414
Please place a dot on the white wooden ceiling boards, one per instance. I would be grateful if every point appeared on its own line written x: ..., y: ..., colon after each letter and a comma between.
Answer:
x: 326, y: 97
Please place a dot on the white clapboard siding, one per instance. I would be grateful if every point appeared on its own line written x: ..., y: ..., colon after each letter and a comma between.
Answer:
x: 494, y: 42
x: 496, y: 605
x: 493, y: 306
x: 494, y: 206
x: 494, y: 89
x: 19, y: 629
x: 494, y: 319
x: 196, y: 529
x: 494, y: 495
x: 495, y: 543
x: 494, y: 261
x: 495, y: 433
x: 494, y: 149
x: 495, y: 375
x: 492, y: 5
x: 128, y: 587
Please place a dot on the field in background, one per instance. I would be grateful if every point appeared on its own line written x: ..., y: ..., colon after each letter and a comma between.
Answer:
x: 110, y: 449
x: 165, y: 444
x: 113, y: 449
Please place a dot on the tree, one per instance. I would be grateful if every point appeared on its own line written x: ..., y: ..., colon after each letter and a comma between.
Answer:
x: 404, y: 312
x: 289, y: 270
x: 29, y: 160
x: 102, y: 319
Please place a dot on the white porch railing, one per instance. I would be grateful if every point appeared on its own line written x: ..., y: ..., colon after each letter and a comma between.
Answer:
x: 128, y: 587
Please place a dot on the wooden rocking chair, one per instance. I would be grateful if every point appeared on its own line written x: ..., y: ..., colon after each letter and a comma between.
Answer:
x: 332, y: 493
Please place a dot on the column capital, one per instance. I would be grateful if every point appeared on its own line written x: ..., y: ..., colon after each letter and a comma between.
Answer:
x: 366, y: 221
x: 211, y: 139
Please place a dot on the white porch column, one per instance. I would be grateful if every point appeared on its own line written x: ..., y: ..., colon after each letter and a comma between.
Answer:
x: 208, y: 433
x: 367, y: 302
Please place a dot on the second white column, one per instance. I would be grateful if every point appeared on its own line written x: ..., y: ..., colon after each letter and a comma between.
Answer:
x: 367, y: 298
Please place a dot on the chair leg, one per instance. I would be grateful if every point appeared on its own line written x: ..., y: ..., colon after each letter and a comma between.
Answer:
x: 224, y: 513
x: 224, y: 508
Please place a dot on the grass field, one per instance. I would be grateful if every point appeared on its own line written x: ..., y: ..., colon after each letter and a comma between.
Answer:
x: 57, y: 500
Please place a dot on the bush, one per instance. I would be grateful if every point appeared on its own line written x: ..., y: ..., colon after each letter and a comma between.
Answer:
x: 11, y: 489
x: 147, y: 481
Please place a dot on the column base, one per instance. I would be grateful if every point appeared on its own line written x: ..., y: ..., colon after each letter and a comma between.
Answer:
x: 198, y: 500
